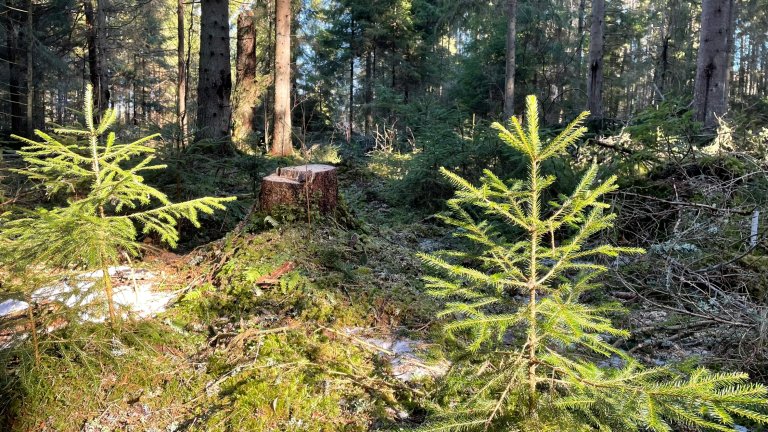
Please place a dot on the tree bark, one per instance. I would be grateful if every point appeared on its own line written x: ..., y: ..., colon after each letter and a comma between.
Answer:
x: 710, y: 97
x: 580, y: 33
x: 596, y: 44
x: 16, y: 35
x: 299, y: 188
x: 214, y: 111
x: 268, y: 68
x: 31, y: 88
x: 509, y: 78
x: 245, y: 78
x: 181, y: 83
x: 368, y: 92
x: 664, y: 64
x: 60, y: 101
x: 144, y: 105
x: 351, y: 118
x: 281, y: 145
x: 96, y: 24
x: 134, y: 92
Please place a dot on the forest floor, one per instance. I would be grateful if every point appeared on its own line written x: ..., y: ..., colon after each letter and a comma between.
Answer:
x: 297, y: 326
x: 281, y: 326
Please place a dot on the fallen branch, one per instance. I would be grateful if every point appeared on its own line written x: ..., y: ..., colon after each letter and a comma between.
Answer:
x: 240, y: 339
x: 686, y: 312
x: 687, y: 204
x: 273, y: 278
x: 614, y: 147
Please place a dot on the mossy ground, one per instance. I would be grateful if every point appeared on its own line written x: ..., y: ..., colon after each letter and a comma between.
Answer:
x: 233, y: 354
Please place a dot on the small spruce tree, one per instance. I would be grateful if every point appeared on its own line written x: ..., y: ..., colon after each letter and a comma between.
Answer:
x: 529, y: 343
x: 108, y: 199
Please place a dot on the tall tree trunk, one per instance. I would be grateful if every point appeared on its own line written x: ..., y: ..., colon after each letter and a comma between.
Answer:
x: 368, y: 91
x: 596, y: 43
x: 281, y: 144
x: 268, y: 68
x: 580, y: 33
x: 730, y: 46
x: 31, y: 89
x: 144, y: 106
x: 96, y: 24
x: 710, y: 97
x: 351, y: 118
x: 60, y: 101
x: 742, y: 70
x: 17, y: 64
x: 664, y: 64
x: 763, y: 87
x: 181, y: 83
x: 188, y: 58
x: 134, y: 93
x: 105, y: 98
x: 509, y: 78
x: 245, y: 78
x: 214, y: 111
x: 39, y: 114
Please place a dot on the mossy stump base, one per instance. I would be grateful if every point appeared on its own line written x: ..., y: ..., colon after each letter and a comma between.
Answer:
x: 300, y: 187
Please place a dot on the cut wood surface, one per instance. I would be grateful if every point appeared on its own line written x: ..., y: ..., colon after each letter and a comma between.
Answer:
x: 300, y: 187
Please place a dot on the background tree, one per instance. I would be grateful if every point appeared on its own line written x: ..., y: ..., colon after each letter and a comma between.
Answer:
x: 710, y: 96
x: 99, y: 76
x: 509, y: 76
x: 366, y: 63
x: 214, y: 111
x: 181, y: 80
x: 18, y: 39
x: 246, y: 87
x: 596, y: 43
x: 282, y: 136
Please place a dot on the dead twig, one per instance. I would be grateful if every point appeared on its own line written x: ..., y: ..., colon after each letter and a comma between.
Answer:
x: 273, y: 278
x: 686, y: 204
x: 241, y: 338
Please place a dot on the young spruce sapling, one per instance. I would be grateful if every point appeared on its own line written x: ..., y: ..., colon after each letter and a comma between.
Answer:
x: 530, y: 359
x: 107, y: 201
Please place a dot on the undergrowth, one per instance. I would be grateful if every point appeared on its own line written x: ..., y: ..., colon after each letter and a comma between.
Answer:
x: 89, y: 372
x: 296, y: 336
x: 238, y: 354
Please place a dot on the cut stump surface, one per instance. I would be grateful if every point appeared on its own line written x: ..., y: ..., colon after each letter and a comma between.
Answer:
x: 299, y: 187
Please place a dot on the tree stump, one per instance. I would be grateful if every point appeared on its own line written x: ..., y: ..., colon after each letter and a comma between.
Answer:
x: 301, y: 187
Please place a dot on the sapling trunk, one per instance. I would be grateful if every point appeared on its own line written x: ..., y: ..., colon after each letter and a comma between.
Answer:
x: 532, y: 285
x: 108, y: 292
x: 33, y: 331
x: 94, y: 142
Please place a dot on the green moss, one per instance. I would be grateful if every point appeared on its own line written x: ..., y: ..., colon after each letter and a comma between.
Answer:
x: 87, y: 369
x: 298, y: 381
x: 210, y: 368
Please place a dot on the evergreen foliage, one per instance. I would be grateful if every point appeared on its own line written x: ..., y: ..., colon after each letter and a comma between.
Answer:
x: 451, y: 138
x: 108, y: 199
x: 530, y: 343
